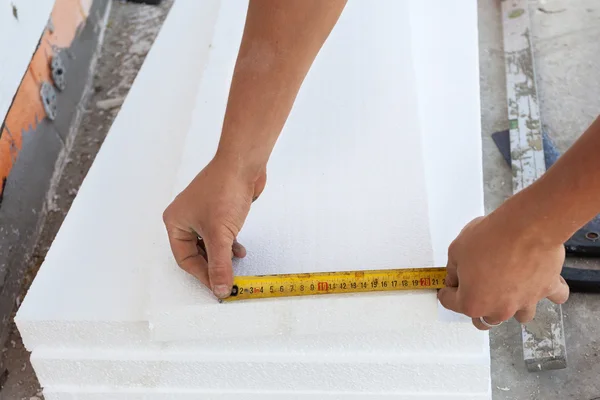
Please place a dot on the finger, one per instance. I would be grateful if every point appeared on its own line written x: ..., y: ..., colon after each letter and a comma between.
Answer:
x: 480, y: 325
x: 560, y: 293
x: 448, y: 296
x: 451, y: 273
x: 471, y: 223
x: 493, y: 319
x: 220, y: 271
x: 490, y: 320
x: 187, y: 254
x: 526, y: 314
x: 239, y: 251
x: 452, y: 266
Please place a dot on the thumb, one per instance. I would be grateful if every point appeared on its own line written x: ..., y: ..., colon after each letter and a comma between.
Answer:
x: 220, y: 271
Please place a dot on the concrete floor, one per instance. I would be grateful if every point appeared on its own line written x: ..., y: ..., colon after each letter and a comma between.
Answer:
x: 567, y: 43
x: 567, y: 56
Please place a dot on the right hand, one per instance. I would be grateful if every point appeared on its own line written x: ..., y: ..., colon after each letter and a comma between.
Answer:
x: 497, y: 270
x: 203, y: 222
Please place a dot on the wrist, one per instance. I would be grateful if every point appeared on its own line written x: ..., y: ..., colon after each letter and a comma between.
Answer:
x: 531, y: 216
x: 240, y: 164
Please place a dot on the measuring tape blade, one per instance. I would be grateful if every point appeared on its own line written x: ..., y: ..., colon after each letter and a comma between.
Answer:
x: 319, y: 283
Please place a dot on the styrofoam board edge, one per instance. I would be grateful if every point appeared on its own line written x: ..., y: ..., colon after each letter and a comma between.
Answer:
x: 188, y: 355
x: 352, y: 375
x: 94, y: 337
x: 97, y: 393
x: 83, y: 334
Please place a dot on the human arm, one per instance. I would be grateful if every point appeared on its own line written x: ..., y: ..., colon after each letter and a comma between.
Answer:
x: 280, y: 42
x: 503, y: 264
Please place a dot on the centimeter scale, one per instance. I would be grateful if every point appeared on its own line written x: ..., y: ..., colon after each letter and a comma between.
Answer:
x: 306, y: 284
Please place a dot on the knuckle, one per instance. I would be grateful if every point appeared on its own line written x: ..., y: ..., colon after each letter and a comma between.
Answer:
x: 166, y: 215
x: 525, y: 318
x: 452, y: 249
x: 218, y: 268
x: 219, y: 231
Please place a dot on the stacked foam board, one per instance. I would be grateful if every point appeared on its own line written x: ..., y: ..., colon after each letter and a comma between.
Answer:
x: 378, y: 166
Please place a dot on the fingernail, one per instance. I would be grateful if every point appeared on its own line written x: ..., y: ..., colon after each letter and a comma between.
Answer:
x: 221, y: 291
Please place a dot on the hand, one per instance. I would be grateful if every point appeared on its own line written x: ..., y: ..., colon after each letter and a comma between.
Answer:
x: 204, y: 220
x: 497, y: 273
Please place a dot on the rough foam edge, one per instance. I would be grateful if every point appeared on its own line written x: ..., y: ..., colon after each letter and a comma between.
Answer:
x: 96, y: 393
x: 206, y: 375
x: 182, y: 355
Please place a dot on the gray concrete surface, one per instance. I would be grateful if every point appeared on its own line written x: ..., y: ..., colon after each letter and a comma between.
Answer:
x: 130, y: 31
x: 566, y: 35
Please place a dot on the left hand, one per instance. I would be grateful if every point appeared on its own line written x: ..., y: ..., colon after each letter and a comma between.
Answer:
x: 497, y: 271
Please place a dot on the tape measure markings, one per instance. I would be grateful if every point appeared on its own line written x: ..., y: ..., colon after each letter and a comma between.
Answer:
x: 307, y: 284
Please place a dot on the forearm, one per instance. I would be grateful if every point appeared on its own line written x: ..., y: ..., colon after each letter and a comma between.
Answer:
x: 565, y: 198
x: 281, y: 40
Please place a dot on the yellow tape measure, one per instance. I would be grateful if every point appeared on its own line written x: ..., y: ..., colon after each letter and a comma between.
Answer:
x: 268, y: 286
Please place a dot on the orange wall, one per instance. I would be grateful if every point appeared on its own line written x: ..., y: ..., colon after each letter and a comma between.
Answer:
x: 27, y: 108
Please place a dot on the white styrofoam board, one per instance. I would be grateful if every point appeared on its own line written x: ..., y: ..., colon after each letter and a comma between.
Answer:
x: 405, y: 336
x: 91, y: 286
x: 446, y: 63
x: 18, y: 42
x: 384, y: 321
x: 343, y: 149
x: 79, y: 393
x: 107, y: 289
x: 253, y: 370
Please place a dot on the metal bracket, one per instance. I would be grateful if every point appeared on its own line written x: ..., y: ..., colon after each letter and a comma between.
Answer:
x: 48, y: 95
x: 58, y: 69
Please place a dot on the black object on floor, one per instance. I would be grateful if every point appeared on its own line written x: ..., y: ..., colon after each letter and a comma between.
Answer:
x: 582, y: 280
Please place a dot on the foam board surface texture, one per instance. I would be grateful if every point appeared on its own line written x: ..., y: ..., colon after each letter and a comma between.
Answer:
x: 363, y: 177
x: 347, y: 174
x: 353, y: 373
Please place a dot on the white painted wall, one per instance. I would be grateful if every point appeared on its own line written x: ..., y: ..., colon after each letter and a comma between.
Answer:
x: 358, y: 180
x: 18, y: 40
